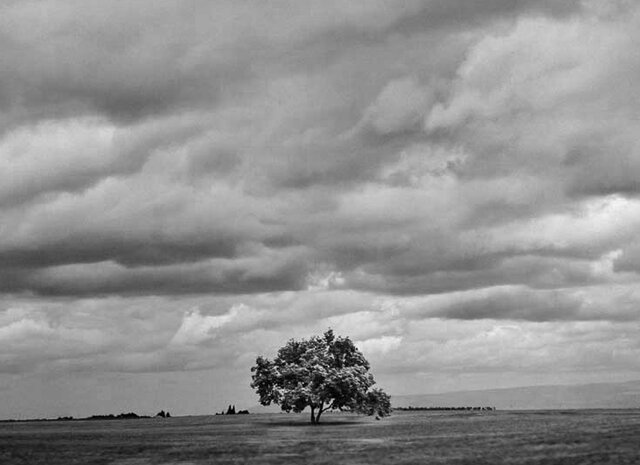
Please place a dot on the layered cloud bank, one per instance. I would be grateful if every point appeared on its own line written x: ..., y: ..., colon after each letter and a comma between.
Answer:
x: 454, y: 184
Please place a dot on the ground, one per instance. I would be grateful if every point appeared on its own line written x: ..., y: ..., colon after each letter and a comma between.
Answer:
x: 533, y: 437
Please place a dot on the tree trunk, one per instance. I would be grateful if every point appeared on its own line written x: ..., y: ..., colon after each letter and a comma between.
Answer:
x: 313, y: 416
x: 319, y: 412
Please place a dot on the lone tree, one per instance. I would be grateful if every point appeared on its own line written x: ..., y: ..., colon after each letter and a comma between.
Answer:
x: 324, y: 373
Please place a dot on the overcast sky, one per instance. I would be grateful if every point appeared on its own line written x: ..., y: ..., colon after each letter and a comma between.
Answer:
x: 185, y: 185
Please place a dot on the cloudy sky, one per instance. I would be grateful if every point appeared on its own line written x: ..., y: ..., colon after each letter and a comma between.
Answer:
x: 185, y: 185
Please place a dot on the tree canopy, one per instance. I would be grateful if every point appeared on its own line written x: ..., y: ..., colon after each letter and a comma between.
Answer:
x: 324, y: 373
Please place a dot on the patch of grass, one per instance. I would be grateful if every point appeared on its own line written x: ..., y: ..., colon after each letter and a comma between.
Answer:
x: 582, y: 437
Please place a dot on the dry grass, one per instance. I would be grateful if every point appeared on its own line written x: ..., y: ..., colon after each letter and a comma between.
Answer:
x: 554, y: 437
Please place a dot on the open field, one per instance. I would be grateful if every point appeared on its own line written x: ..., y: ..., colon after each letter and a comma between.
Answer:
x: 528, y: 437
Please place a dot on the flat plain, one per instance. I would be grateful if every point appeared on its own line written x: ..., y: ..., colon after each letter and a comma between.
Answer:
x: 499, y: 437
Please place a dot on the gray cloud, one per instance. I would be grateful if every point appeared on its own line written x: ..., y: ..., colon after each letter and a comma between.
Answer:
x: 314, y: 161
x: 458, y: 13
x: 78, y: 64
x: 184, y: 185
x: 267, y: 273
x: 533, y: 305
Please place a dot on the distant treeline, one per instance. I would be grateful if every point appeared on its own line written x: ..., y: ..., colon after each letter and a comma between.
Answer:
x: 410, y: 408
x: 120, y: 416
x: 231, y: 410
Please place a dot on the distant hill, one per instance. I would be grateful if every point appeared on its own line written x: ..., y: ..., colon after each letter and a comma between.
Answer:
x: 601, y: 395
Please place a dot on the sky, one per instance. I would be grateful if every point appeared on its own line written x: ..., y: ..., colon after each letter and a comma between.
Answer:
x: 186, y: 185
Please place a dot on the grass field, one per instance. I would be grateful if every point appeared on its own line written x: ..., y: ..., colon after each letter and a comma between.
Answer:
x: 532, y: 437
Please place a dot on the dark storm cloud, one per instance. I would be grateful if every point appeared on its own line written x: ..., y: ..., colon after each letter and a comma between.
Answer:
x: 532, y: 271
x: 132, y: 61
x: 125, y: 61
x: 125, y: 251
x: 137, y: 60
x: 461, y: 13
x: 408, y: 160
x: 273, y: 272
x: 530, y: 305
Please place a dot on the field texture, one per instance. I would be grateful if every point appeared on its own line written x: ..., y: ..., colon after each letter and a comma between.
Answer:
x: 541, y: 437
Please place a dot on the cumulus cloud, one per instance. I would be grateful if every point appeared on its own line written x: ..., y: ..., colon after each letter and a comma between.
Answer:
x: 567, y: 79
x: 196, y: 329
x: 380, y: 345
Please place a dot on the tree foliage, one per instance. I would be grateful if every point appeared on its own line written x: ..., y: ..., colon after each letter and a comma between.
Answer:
x: 324, y: 373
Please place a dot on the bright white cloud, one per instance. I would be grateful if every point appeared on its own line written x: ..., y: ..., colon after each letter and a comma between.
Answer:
x: 381, y: 345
